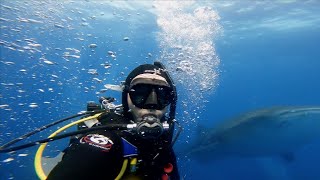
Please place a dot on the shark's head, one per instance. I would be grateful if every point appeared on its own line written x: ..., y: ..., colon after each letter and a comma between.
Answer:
x: 297, y: 112
x: 297, y: 117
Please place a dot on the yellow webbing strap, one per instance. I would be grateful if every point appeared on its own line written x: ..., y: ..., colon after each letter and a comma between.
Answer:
x: 38, y: 156
x: 133, y: 164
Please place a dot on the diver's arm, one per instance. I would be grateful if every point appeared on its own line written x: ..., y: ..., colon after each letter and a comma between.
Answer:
x: 94, y: 156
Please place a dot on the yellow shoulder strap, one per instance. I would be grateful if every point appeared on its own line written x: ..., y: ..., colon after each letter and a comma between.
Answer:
x: 38, y: 156
x: 123, y: 169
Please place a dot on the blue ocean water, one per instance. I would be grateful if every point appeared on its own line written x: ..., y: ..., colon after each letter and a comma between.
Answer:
x: 226, y: 58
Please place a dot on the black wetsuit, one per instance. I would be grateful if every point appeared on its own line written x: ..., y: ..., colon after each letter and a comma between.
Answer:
x: 99, y: 155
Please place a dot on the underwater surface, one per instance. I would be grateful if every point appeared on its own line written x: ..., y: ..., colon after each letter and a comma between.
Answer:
x: 226, y: 58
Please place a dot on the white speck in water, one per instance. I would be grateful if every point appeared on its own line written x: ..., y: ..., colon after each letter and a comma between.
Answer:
x: 8, y: 160
x: 33, y: 105
x: 22, y: 155
x: 93, y: 71
x: 4, y: 106
x: 113, y: 56
x: 93, y: 46
x: 48, y: 62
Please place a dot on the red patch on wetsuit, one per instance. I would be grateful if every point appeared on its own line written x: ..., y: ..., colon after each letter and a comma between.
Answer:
x: 97, y: 140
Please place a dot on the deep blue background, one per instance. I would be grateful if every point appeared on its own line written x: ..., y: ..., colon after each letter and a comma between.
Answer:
x: 269, y: 56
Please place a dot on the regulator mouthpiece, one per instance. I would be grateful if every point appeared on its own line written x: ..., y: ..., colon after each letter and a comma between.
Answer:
x: 150, y: 127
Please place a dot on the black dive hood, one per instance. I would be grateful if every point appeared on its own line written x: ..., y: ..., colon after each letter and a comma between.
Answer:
x: 145, y: 69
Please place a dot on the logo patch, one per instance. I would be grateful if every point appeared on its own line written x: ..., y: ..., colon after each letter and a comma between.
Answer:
x: 97, y: 140
x: 154, y: 71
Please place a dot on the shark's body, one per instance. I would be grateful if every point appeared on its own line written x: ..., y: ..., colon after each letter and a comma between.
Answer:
x: 266, y: 132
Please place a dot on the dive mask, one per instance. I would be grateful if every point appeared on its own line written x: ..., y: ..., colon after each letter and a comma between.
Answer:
x: 139, y: 94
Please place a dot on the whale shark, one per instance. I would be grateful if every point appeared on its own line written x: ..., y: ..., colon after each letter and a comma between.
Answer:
x: 261, y: 133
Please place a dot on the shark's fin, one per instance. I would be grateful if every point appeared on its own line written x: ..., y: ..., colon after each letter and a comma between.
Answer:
x: 288, y: 157
x: 49, y: 163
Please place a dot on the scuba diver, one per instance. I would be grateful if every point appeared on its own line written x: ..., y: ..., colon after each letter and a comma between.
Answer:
x: 148, y: 101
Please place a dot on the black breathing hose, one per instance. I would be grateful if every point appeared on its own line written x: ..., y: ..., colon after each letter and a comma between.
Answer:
x: 45, y: 127
x: 105, y: 127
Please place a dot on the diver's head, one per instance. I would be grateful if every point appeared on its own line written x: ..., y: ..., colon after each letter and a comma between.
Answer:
x: 147, y: 96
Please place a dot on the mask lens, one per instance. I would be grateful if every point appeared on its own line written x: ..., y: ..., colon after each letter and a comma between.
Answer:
x: 140, y: 92
x: 164, y: 95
